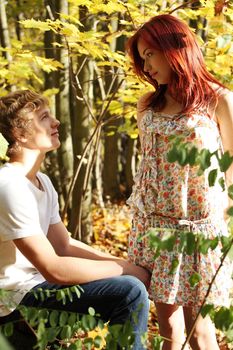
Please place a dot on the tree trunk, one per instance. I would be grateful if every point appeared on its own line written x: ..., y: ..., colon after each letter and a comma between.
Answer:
x: 61, y: 173
x: 4, y: 32
x: 81, y: 219
x: 111, y: 169
x: 65, y: 151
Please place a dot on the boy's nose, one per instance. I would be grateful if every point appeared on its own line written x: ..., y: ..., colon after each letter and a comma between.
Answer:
x: 55, y: 122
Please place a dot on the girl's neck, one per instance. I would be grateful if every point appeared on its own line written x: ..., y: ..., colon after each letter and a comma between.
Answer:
x: 171, y: 106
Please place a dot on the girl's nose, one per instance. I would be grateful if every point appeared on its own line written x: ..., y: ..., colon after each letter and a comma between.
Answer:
x: 146, y: 67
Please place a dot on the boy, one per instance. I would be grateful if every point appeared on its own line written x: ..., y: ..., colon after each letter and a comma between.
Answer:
x: 36, y: 250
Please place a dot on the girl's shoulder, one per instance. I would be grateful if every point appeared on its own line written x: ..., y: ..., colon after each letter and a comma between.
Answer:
x: 225, y: 102
x: 142, y: 104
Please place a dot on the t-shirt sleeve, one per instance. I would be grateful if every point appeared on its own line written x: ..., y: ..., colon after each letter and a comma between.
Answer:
x: 55, y: 216
x: 53, y: 199
x: 18, y: 211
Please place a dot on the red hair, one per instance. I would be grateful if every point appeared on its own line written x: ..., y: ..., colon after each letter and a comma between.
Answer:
x: 191, y: 84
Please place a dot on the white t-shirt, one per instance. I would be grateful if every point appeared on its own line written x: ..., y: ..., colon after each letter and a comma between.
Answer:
x: 24, y: 211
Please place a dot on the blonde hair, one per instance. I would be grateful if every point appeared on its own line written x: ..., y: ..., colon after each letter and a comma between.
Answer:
x: 14, y: 108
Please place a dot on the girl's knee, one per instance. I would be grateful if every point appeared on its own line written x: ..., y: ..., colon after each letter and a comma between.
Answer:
x: 203, y: 336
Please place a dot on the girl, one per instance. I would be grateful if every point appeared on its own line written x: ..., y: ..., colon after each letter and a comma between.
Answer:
x: 187, y: 101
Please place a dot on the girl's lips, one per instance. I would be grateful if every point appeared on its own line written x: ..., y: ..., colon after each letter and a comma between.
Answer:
x: 153, y: 74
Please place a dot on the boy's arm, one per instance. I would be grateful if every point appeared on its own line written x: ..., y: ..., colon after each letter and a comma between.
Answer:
x: 76, y: 269
x: 65, y: 245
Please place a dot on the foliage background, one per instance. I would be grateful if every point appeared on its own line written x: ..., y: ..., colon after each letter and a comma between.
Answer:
x: 73, y: 52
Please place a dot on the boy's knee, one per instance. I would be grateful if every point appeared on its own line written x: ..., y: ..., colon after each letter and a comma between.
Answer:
x: 137, y: 292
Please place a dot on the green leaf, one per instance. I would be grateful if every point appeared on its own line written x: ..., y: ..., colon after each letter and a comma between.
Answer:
x: 172, y: 155
x: 8, y: 329
x: 214, y: 243
x: 66, y: 332
x: 53, y: 318
x: 32, y: 316
x: 192, y: 156
x: 3, y: 147
x: 98, y: 341
x: 175, y: 264
x: 230, y: 253
x: 88, y: 343
x: 77, y: 290
x: 78, y: 344
x: 63, y: 318
x: 75, y: 346
x: 88, y: 322
x: 230, y: 191
x: 223, y: 318
x: 194, y: 279
x: 52, y: 334
x: 230, y: 211
x: 115, y: 330
x: 225, y: 161
x: 72, y: 319
x: 168, y: 244
x: 182, y: 157
x: 91, y: 311
x: 206, y: 309
x: 226, y: 243
x: 100, y: 324
x: 221, y: 182
x: 60, y: 295
x: 69, y: 294
x: 212, y: 177
x: 191, y: 243
x: 43, y: 314
x: 4, y: 344
x: 204, y: 159
x: 205, y: 245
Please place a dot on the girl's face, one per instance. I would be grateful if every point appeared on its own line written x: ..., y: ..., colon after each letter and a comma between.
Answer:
x: 155, y: 63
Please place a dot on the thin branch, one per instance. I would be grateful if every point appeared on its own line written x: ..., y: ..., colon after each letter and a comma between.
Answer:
x: 100, y: 81
x: 74, y: 179
x: 50, y: 13
x: 206, y: 296
x: 90, y: 163
x: 84, y: 99
x: 184, y: 6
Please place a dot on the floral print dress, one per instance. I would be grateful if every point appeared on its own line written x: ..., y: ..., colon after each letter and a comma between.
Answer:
x: 168, y: 197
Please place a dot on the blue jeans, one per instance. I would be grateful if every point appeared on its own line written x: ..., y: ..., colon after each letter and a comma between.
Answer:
x: 115, y: 299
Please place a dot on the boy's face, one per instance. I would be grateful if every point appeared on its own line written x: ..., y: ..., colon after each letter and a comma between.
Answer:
x: 43, y: 135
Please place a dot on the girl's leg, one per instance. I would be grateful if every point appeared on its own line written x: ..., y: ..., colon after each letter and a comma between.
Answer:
x: 171, y: 325
x: 203, y: 336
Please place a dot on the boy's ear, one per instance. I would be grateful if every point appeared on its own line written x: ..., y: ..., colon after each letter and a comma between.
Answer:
x: 22, y: 139
x: 19, y: 136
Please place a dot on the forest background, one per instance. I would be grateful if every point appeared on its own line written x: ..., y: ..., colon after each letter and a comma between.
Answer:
x: 73, y: 51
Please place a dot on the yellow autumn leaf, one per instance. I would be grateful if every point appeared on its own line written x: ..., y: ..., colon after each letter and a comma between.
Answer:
x: 3, y: 147
x: 101, y: 333
x: 71, y: 19
x: 32, y: 23
x: 48, y: 64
